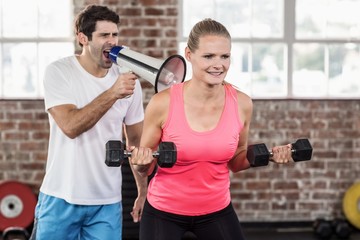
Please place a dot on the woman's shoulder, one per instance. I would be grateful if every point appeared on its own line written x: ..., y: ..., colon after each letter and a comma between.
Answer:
x: 244, y: 101
x: 160, y: 101
x: 158, y: 107
x: 240, y: 94
x: 161, y: 96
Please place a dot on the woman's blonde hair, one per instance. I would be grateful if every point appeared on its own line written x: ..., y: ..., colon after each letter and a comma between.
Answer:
x: 207, y: 26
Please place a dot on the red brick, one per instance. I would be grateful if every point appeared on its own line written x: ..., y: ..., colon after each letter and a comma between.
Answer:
x: 154, y: 12
x: 19, y: 115
x: 16, y: 136
x: 286, y: 185
x: 257, y: 185
x: 40, y: 136
x: 153, y: 32
x: 32, y: 126
x: 33, y: 146
x: 143, y: 22
x: 129, y: 12
x: 172, y: 12
x: 148, y: 2
x: 7, y: 125
x: 130, y: 32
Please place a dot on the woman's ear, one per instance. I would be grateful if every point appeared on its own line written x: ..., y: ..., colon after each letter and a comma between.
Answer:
x: 187, y: 53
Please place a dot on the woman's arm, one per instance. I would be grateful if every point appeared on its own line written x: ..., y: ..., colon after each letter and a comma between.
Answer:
x: 281, y: 154
x: 155, y: 117
x: 239, y: 161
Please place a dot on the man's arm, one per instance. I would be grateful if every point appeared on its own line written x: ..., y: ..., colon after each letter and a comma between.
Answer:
x: 74, y: 121
x: 133, y: 135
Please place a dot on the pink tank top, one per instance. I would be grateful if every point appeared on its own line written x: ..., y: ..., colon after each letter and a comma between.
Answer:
x: 199, y: 182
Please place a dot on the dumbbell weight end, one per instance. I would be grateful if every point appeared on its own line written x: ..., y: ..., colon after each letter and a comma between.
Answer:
x: 258, y: 155
x: 166, y: 155
x: 115, y: 153
x: 302, y: 150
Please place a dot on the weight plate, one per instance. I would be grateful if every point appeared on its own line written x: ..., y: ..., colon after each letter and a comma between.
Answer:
x: 17, y: 205
x: 11, y: 206
x: 351, y: 204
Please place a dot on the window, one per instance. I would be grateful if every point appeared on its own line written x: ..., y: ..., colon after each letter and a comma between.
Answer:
x: 33, y: 33
x: 287, y: 48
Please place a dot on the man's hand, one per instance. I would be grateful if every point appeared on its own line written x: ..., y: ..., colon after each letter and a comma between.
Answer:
x: 125, y: 85
x: 138, y: 208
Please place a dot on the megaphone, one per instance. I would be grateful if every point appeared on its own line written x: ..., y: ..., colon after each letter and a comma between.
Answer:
x: 161, y: 74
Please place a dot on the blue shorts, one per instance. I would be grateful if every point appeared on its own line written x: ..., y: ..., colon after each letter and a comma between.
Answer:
x: 57, y: 219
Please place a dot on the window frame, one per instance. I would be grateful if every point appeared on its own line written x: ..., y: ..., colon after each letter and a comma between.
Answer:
x: 289, y: 40
x: 35, y: 40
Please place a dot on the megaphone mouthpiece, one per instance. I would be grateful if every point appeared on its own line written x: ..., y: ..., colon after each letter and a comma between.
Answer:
x: 114, y: 52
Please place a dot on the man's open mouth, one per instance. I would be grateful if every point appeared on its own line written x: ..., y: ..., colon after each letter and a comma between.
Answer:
x: 106, y: 53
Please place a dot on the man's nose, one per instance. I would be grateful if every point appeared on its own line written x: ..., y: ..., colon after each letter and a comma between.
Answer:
x: 113, y: 39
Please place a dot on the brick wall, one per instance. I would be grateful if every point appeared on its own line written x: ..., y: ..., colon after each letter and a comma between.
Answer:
x: 294, y: 192
x: 303, y: 190
x: 24, y: 132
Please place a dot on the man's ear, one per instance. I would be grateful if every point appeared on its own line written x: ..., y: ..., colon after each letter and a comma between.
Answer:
x: 82, y: 38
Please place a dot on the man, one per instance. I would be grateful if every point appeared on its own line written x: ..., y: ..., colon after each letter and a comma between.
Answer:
x: 88, y: 101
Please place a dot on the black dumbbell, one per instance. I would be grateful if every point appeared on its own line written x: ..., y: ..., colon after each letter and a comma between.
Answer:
x: 259, y: 155
x: 116, y: 154
x: 341, y: 228
x: 322, y: 229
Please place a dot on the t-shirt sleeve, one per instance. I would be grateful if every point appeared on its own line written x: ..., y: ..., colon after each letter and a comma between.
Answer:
x: 57, y: 87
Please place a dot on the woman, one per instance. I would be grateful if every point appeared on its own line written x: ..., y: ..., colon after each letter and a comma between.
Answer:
x: 208, y: 120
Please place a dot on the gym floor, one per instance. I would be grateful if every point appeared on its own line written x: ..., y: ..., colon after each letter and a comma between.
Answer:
x: 288, y: 234
x: 283, y: 234
x: 261, y: 231
x: 279, y: 234
x: 283, y: 231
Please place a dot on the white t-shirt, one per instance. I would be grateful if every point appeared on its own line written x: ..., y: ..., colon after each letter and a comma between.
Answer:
x: 76, y: 169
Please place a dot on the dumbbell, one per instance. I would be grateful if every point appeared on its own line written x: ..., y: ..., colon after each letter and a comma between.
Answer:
x: 116, y: 154
x: 322, y: 229
x: 259, y: 155
x: 341, y: 228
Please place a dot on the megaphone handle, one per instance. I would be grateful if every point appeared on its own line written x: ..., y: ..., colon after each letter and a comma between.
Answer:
x: 123, y: 69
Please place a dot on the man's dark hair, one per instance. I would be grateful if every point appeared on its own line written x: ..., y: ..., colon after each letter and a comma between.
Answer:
x: 85, y: 21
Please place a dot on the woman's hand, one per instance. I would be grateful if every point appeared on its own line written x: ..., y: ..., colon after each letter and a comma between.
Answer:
x: 281, y: 154
x: 141, y: 158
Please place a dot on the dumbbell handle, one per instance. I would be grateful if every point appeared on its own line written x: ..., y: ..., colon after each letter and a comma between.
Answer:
x: 128, y: 154
x: 272, y: 154
x: 301, y: 150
